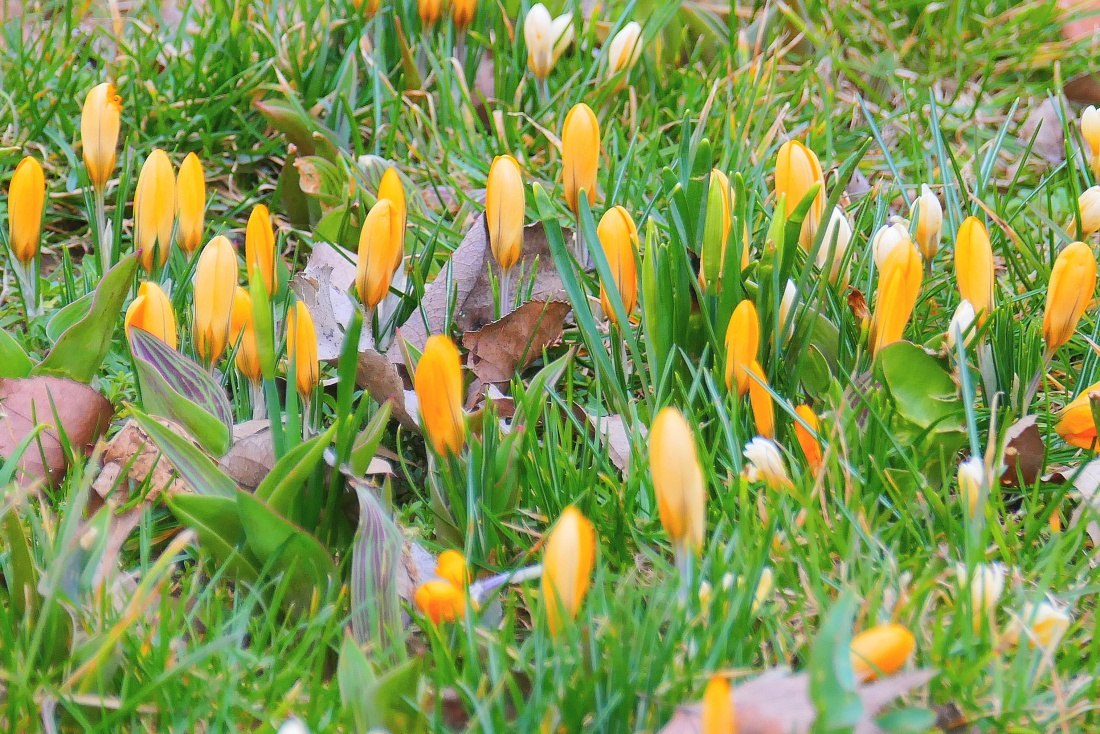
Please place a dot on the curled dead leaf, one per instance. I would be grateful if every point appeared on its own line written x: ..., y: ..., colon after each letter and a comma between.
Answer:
x: 130, y: 455
x: 612, y: 432
x: 501, y: 348
x: 324, y: 285
x: 778, y: 702
x: 83, y: 414
x: 466, y: 278
x: 1087, y: 485
x: 252, y: 454
x: 1025, y: 452
x: 380, y: 378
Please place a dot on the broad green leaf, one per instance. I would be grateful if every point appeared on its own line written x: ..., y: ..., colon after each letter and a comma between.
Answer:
x: 274, y: 539
x: 192, y: 464
x: 832, y: 679
x: 921, y: 387
x: 379, y: 702
x: 282, y: 485
x: 19, y: 573
x: 80, y: 350
x: 217, y: 523
x: 183, y: 375
x: 176, y: 388
x: 368, y: 440
x: 64, y: 319
x: 322, y: 179
x: 14, y: 361
x: 340, y: 227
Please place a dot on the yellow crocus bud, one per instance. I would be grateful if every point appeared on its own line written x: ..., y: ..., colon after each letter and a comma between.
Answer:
x: 624, y: 50
x: 898, y: 288
x: 301, y: 347
x: 881, y: 650
x: 763, y: 408
x: 797, y: 170
x: 567, y: 562
x: 259, y: 247
x: 742, y: 345
x: 242, y: 332
x: 718, y: 715
x: 99, y: 125
x: 191, y: 193
x: 1089, y: 206
x: 441, y: 601
x: 974, y: 266
x: 463, y: 12
x: 152, y: 311
x: 380, y: 239
x: 369, y: 7
x: 929, y: 215
x: 807, y: 441
x: 155, y: 208
x: 1076, y: 425
x: 429, y: 12
x: 580, y: 154
x: 26, y: 202
x: 985, y: 590
x: 391, y: 188
x: 546, y: 39
x: 838, y: 235
x: 505, y: 202
x: 887, y: 238
x: 678, y: 481
x: 1071, y: 288
x: 438, y: 385
x: 1043, y: 623
x: 972, y: 483
x: 215, y: 287
x: 451, y: 567
x: 619, y: 239
x: 1090, y: 132
x: 765, y: 463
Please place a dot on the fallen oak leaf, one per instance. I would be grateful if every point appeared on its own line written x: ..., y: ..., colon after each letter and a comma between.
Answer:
x: 132, y: 452
x: 612, y: 432
x: 1087, y: 484
x: 465, y: 282
x: 380, y: 378
x: 83, y: 414
x: 252, y: 454
x: 499, y: 349
x: 324, y: 285
x: 778, y: 702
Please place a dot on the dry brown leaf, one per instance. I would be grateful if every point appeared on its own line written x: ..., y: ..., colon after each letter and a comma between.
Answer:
x: 252, y: 454
x: 612, y: 431
x: 467, y: 273
x: 1088, y: 484
x: 323, y: 285
x: 778, y: 702
x: 1045, y: 125
x: 1082, y: 22
x: 84, y: 415
x: 130, y: 451
x: 380, y: 378
x: 1024, y: 452
x: 499, y: 349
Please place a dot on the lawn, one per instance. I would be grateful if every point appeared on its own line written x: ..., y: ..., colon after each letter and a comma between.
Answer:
x: 481, y: 367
